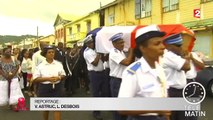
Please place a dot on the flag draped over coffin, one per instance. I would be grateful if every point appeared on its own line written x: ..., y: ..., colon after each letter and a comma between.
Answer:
x: 102, y: 36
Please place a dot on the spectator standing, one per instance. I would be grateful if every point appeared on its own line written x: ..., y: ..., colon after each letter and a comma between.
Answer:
x: 9, y: 83
x: 26, y: 68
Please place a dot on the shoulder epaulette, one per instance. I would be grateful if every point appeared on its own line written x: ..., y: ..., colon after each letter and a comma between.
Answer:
x: 86, y: 49
x: 116, y: 50
x: 134, y: 68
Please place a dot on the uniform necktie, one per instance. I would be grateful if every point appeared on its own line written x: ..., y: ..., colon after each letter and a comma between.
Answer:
x: 162, y: 79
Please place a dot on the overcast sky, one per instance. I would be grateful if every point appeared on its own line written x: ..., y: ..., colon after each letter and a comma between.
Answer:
x: 19, y: 17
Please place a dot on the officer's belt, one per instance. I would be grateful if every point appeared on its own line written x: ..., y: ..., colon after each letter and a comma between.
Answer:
x: 115, y: 78
x: 175, y: 89
x: 96, y: 71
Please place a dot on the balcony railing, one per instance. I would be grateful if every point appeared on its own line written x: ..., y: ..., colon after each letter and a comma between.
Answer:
x: 76, y: 37
x: 205, y: 1
x: 171, y: 8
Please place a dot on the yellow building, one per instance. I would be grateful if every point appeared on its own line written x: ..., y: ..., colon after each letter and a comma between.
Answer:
x: 59, y: 26
x: 119, y: 12
x: 26, y: 43
x: 146, y: 12
x: 50, y: 40
x: 77, y: 29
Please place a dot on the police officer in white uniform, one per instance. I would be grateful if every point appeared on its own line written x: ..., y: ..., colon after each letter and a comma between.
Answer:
x: 49, y: 74
x: 175, y: 65
x: 117, y: 63
x: 107, y: 71
x: 195, y: 63
x: 95, y: 71
x: 145, y: 77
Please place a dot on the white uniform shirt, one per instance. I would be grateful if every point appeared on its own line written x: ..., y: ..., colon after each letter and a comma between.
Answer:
x: 172, y: 65
x: 192, y: 73
x: 26, y: 65
x: 89, y: 56
x: 46, y: 69
x: 115, y: 57
x: 37, y: 59
x: 145, y: 82
x: 106, y: 65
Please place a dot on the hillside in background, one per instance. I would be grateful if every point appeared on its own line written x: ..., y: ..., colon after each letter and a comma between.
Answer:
x: 16, y: 39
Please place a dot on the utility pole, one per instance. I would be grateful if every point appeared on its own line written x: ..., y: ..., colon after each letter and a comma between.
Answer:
x: 37, y: 37
x: 24, y: 43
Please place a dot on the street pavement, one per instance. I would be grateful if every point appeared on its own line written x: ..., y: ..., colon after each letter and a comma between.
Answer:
x: 207, y: 106
x: 6, y: 114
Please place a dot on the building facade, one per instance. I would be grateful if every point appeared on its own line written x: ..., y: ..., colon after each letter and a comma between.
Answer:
x: 50, y: 40
x: 77, y: 29
x: 119, y: 12
x: 146, y: 12
x: 59, y: 26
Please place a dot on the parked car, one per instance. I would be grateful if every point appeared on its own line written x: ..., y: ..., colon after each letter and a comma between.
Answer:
x: 205, y: 77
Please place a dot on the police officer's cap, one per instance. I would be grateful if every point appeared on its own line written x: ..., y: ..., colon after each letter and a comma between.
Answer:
x: 147, y: 33
x: 88, y: 39
x: 45, y: 49
x: 118, y: 36
x: 49, y: 47
x: 174, y: 39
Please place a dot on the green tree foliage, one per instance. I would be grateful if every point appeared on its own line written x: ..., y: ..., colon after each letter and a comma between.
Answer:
x: 15, y: 39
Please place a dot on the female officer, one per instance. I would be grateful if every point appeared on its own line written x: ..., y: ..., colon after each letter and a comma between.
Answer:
x: 49, y: 75
x: 145, y: 78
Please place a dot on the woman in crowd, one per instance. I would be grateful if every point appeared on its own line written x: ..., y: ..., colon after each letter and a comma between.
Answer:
x: 9, y: 84
x: 26, y: 67
x: 16, y: 53
x: 49, y: 74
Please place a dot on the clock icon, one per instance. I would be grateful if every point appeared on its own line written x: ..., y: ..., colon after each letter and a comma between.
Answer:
x: 194, y: 93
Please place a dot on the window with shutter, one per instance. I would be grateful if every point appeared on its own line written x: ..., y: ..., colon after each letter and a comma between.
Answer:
x: 56, y: 34
x: 88, y: 26
x: 62, y: 32
x: 137, y: 9
x: 78, y: 27
x: 148, y: 7
x: 59, y: 35
x: 169, y: 5
x: 143, y: 8
x: 111, y: 19
x: 70, y: 30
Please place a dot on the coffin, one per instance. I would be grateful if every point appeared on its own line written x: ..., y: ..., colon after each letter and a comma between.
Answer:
x: 103, y: 34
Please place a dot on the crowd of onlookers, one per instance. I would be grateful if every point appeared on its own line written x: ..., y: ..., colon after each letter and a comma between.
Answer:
x: 28, y: 60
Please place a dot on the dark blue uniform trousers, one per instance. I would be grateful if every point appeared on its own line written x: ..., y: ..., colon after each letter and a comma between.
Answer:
x: 99, y: 86
x: 145, y: 118
x: 179, y: 115
x: 114, y: 87
x: 107, y: 71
